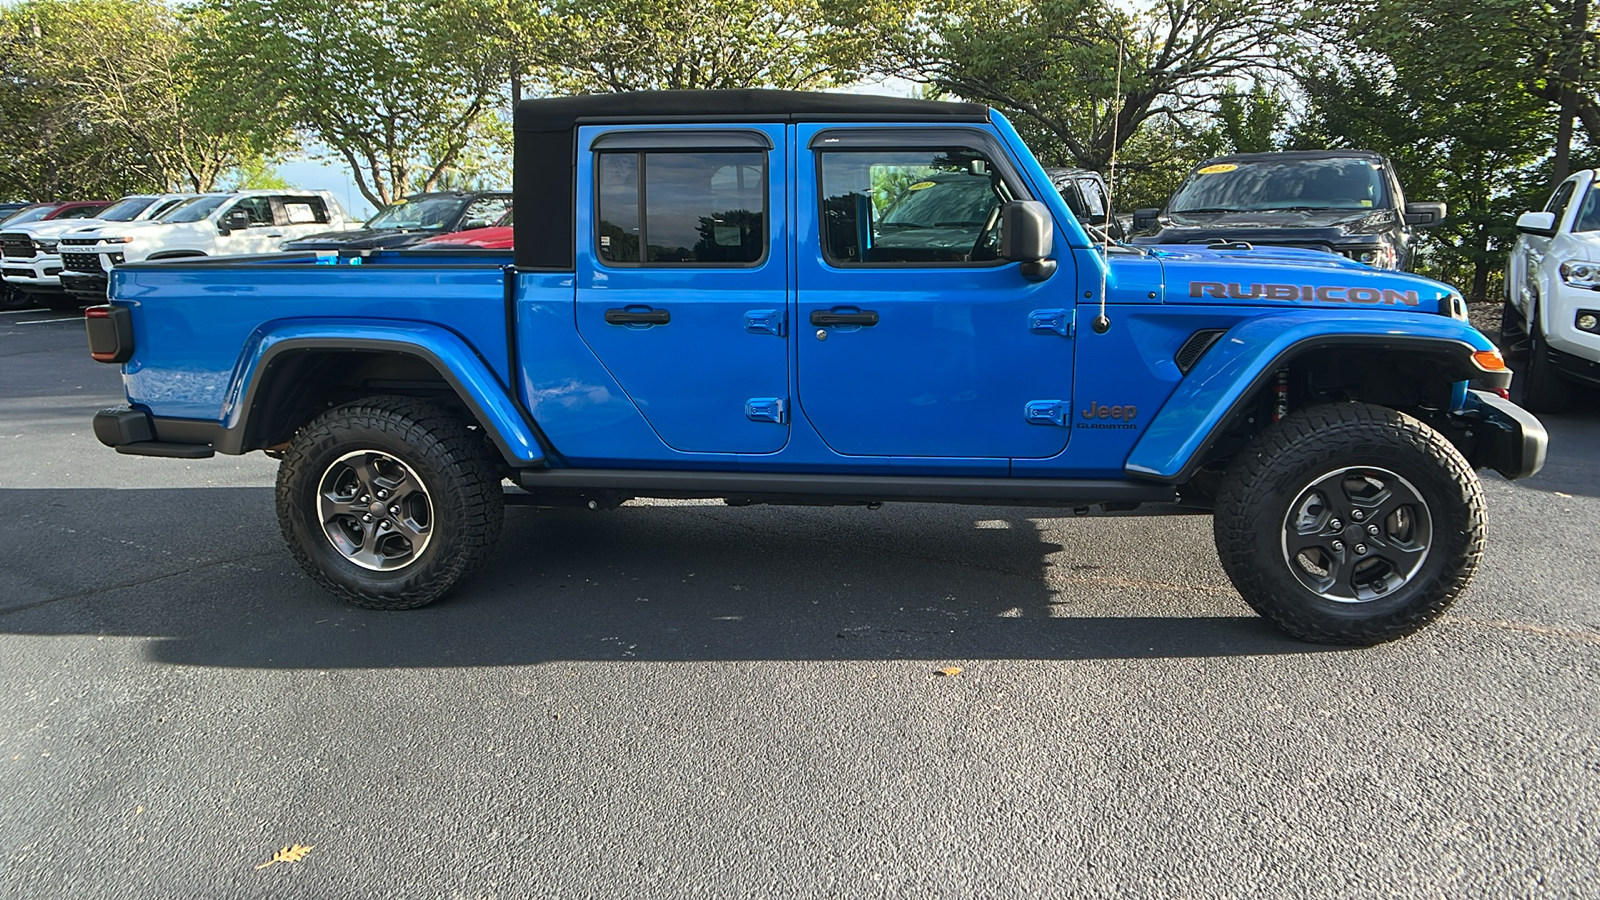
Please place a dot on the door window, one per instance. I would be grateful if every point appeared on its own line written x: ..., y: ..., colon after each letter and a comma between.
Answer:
x: 484, y: 212
x: 1559, y: 201
x: 681, y: 209
x: 258, y: 208
x: 911, y: 207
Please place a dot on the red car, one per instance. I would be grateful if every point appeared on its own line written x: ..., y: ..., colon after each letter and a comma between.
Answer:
x: 495, y: 237
x: 68, y: 209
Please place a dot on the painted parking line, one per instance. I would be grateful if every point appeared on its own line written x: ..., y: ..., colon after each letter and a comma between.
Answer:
x: 47, y: 321
x: 18, y: 312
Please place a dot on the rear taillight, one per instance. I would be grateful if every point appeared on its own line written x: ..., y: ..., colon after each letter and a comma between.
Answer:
x: 110, y: 331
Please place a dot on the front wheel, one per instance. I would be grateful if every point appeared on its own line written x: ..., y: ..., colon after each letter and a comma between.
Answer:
x: 1350, y: 524
x: 388, y: 502
x: 1538, y: 387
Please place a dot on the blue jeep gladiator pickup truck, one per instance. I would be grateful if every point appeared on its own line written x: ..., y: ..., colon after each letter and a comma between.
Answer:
x: 773, y: 297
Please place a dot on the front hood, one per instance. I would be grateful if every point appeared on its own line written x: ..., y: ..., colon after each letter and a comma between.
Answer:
x: 359, y: 239
x: 1336, y: 227
x: 1287, y: 277
x: 58, y: 227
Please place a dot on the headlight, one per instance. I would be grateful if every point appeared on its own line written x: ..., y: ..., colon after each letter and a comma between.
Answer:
x: 1380, y: 257
x: 115, y: 240
x: 46, y: 246
x: 1581, y: 274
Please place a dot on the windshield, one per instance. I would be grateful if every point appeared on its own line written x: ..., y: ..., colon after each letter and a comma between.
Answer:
x: 29, y: 215
x: 126, y: 209
x: 429, y: 214
x: 1286, y: 184
x: 194, y: 212
x: 952, y: 200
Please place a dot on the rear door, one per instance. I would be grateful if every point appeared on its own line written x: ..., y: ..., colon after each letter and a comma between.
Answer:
x: 916, y: 339
x: 683, y: 278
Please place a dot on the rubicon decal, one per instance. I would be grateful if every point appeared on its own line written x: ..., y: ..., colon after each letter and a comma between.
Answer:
x: 1302, y: 292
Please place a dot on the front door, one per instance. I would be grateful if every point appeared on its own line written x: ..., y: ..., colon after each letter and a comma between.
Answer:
x: 683, y: 274
x: 915, y: 338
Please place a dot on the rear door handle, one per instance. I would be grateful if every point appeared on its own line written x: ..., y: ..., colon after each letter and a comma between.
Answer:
x: 864, y: 317
x: 637, y: 317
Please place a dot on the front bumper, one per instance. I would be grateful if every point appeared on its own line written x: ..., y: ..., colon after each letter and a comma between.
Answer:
x: 84, y: 285
x: 1505, y: 437
x: 38, y: 273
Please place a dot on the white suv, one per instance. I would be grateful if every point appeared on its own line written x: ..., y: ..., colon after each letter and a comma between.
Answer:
x: 1552, y: 309
x: 32, y: 262
x: 211, y: 225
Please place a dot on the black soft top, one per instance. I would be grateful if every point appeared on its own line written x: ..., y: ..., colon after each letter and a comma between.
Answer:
x: 547, y: 146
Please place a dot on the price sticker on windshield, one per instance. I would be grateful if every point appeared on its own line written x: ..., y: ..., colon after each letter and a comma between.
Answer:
x: 1217, y: 169
x: 921, y: 185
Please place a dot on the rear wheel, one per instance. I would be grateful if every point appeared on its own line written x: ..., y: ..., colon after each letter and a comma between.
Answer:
x: 389, y: 502
x: 1350, y: 524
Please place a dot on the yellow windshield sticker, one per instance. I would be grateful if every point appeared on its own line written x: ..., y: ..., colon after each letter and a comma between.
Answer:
x: 921, y: 184
x: 1366, y: 203
x: 1217, y: 169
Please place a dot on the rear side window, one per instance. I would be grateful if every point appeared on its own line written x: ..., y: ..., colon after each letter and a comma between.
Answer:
x: 681, y: 209
x: 911, y: 207
x: 302, y: 211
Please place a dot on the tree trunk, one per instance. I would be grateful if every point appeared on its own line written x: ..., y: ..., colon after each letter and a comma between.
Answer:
x: 1571, y: 63
x: 1480, y: 281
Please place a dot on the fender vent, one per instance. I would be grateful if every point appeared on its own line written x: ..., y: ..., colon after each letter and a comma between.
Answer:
x: 1196, y: 347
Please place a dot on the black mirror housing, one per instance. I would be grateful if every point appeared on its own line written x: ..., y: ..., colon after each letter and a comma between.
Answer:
x: 1026, y: 232
x: 1146, y: 219
x: 1424, y: 215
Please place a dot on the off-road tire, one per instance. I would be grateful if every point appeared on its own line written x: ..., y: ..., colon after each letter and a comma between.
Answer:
x: 1266, y: 482
x: 1537, y: 386
x: 457, y: 476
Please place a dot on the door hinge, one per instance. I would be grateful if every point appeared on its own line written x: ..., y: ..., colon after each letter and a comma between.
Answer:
x: 1047, y: 412
x: 1051, y: 321
x: 765, y: 409
x: 765, y: 321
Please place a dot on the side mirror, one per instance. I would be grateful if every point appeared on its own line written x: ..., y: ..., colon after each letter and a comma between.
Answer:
x: 1540, y: 223
x: 1424, y: 215
x: 235, y: 220
x: 1027, y: 236
x: 1146, y: 219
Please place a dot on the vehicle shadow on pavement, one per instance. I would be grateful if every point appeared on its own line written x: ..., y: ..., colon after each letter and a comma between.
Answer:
x: 206, y: 577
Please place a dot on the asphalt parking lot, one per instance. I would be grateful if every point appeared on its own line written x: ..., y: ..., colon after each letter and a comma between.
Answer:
x: 686, y: 699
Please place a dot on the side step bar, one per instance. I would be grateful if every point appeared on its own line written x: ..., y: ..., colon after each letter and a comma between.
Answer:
x: 762, y: 487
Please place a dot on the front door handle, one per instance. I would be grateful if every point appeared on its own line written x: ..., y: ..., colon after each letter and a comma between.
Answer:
x: 637, y: 317
x: 864, y: 317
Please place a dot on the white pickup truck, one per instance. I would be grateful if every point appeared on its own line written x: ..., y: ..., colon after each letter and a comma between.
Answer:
x: 1552, y: 310
x: 211, y: 225
x: 32, y: 259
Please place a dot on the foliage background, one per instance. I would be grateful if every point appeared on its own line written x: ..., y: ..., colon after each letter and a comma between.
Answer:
x: 1484, y: 104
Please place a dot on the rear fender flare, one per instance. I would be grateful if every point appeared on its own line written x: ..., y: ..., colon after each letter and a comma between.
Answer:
x: 452, y: 357
x: 1240, y: 364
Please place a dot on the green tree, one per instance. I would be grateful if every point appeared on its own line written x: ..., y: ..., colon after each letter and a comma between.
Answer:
x: 1054, y: 63
x: 104, y: 96
x: 1461, y: 113
x: 400, y: 91
x: 592, y: 46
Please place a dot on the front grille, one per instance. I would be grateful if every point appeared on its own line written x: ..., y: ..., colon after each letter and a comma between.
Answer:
x: 17, y: 245
x: 21, y: 273
x: 81, y: 262
x: 79, y: 242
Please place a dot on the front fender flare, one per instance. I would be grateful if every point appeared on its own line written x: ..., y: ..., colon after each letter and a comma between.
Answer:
x: 1241, y: 362
x: 461, y: 367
